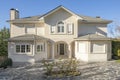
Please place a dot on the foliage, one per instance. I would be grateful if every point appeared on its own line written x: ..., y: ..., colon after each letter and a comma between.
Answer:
x: 62, y: 67
x: 7, y: 62
x: 4, y: 35
x: 118, y: 61
x: 116, y: 49
x: 48, y: 66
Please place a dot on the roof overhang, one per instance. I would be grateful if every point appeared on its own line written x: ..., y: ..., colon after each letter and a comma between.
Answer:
x: 91, y: 22
x: 27, y: 37
x: 25, y: 21
x: 57, y: 8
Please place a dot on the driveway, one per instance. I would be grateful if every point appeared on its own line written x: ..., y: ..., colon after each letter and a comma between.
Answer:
x: 89, y: 71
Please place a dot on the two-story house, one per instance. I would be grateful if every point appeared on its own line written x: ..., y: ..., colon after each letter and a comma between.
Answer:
x: 60, y: 33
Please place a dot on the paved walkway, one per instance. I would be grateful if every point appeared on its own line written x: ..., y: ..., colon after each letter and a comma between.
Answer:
x: 89, y: 71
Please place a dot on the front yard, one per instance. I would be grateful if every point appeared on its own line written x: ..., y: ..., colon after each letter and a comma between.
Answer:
x: 89, y: 71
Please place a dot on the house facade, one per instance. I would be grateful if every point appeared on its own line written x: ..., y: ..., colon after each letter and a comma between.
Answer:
x: 60, y: 33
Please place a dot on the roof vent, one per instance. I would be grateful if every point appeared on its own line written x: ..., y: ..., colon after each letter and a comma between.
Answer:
x: 97, y: 16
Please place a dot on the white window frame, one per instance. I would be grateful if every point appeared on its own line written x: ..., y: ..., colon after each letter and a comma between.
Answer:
x: 70, y: 27
x: 26, y: 52
x: 98, y: 52
x: 42, y: 47
x: 52, y: 29
x: 60, y: 27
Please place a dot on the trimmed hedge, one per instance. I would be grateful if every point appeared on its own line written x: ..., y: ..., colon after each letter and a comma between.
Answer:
x: 5, y: 63
x: 116, y: 49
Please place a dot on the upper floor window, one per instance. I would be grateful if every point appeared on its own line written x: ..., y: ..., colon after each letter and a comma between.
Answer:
x: 60, y: 27
x: 30, y: 30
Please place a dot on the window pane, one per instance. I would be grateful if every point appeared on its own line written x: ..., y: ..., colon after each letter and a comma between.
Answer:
x: 27, y: 48
x: 98, y: 48
x: 23, y: 48
x: 17, y: 48
x: 38, y: 48
x: 60, y: 27
x: 52, y: 29
x: 41, y: 48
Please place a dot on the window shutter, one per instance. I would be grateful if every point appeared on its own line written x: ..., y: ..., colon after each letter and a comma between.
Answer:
x: 70, y: 28
x: 52, y: 29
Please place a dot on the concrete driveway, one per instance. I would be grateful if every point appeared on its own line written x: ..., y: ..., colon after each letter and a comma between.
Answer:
x: 89, y: 71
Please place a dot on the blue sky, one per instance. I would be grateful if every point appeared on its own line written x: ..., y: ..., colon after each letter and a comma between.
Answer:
x: 108, y: 9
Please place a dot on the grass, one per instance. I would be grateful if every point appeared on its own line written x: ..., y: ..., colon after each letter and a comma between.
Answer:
x: 118, y: 61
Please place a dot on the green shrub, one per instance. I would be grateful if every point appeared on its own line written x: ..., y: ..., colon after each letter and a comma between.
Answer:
x: 62, y: 67
x: 7, y: 62
x: 48, y: 66
x: 116, y: 49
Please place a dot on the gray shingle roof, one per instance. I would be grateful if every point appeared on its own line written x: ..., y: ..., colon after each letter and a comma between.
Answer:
x: 92, y: 37
x: 85, y: 18
x: 26, y: 37
x: 93, y: 19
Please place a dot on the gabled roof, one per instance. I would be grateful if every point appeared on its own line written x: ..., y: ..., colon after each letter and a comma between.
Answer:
x: 27, y: 37
x: 92, y: 37
x: 57, y: 8
x: 84, y: 19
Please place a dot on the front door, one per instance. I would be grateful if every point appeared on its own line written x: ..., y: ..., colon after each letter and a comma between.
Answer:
x: 62, y: 49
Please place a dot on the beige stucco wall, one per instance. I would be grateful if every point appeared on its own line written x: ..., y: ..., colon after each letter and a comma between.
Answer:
x: 53, y: 19
x: 24, y: 57
x: 21, y: 29
x: 82, y: 56
x: 84, y: 29
x: 19, y: 57
x: 89, y: 56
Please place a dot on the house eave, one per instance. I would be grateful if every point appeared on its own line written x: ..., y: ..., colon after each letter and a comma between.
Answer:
x: 93, y: 39
x: 91, y: 22
x: 25, y: 21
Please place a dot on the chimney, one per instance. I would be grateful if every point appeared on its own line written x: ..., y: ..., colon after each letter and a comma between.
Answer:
x: 14, y: 14
x: 97, y: 16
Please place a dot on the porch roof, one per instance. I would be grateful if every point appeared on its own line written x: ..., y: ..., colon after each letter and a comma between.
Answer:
x: 92, y: 37
x: 26, y: 37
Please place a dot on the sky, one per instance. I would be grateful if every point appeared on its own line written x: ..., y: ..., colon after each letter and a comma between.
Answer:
x: 107, y: 9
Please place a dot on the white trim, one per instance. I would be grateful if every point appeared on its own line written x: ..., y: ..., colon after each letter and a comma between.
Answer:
x: 70, y: 28
x: 25, y: 48
x: 42, y: 47
x: 61, y: 7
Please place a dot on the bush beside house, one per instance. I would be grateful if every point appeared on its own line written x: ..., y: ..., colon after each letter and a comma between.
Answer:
x: 116, y: 49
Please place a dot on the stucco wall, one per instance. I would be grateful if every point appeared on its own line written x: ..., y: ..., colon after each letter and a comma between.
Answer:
x: 89, y: 56
x: 24, y: 57
x: 19, y: 57
x: 21, y: 29
x: 81, y: 56
x: 53, y: 19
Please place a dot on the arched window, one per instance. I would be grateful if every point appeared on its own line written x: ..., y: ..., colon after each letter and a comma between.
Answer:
x: 60, y: 27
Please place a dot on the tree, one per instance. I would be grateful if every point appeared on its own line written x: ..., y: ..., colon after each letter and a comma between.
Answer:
x: 114, y: 29
x: 4, y: 35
